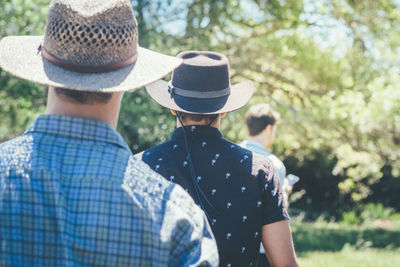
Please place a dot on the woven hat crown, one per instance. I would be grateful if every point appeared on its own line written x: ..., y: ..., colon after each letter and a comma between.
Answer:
x: 91, y: 33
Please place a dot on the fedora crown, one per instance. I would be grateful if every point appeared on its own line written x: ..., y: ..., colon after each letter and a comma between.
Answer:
x: 91, y: 33
x: 202, y: 71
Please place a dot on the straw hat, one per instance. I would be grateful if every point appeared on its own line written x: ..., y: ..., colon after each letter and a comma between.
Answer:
x: 88, y: 45
x: 201, y: 86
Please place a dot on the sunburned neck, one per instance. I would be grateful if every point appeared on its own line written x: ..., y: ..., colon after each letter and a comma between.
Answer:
x: 107, y: 113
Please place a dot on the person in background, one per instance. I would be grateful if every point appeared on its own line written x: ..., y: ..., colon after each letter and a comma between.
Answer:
x: 237, y: 189
x: 261, y: 123
x: 71, y: 192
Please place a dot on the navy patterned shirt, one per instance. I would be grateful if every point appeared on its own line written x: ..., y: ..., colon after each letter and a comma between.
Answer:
x: 243, y: 188
x: 72, y: 194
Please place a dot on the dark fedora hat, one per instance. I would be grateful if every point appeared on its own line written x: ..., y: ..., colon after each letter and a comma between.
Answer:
x: 201, y: 85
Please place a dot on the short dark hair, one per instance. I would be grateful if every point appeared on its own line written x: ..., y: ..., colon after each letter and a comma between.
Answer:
x: 209, y: 118
x: 259, y: 117
x: 83, y: 97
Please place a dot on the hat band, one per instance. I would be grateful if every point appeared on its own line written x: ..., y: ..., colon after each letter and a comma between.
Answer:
x: 198, y: 94
x: 87, y: 68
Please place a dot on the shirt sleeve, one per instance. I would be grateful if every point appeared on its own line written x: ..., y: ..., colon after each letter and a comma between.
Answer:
x: 192, y: 241
x: 271, y: 191
x: 279, y: 167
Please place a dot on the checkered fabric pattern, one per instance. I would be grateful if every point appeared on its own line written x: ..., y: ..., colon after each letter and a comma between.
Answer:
x: 72, y: 194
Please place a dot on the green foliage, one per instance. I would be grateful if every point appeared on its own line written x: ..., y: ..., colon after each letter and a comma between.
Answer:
x: 20, y: 101
x: 334, y: 237
x: 373, y: 212
x: 23, y: 17
x: 368, y: 214
x: 143, y: 122
x: 350, y: 218
x: 320, y: 185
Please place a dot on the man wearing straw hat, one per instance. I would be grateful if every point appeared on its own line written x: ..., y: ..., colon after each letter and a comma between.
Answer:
x: 238, y: 190
x: 71, y: 192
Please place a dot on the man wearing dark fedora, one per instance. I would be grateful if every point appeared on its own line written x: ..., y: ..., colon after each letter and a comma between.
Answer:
x: 71, y: 192
x: 238, y: 190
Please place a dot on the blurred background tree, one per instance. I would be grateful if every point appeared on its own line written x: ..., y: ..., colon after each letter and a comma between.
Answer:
x: 20, y: 101
x: 330, y: 67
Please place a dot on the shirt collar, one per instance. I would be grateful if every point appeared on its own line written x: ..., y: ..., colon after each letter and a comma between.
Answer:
x: 74, y: 127
x: 197, y: 131
x: 256, y: 144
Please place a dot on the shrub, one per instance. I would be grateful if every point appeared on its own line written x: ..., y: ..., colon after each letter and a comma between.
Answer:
x: 373, y: 211
x: 350, y: 218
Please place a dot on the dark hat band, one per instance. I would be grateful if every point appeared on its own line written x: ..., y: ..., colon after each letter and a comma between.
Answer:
x: 86, y: 68
x: 197, y: 94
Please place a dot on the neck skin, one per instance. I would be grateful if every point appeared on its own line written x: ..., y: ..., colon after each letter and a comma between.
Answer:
x: 266, y: 137
x: 105, y: 112
x: 215, y: 124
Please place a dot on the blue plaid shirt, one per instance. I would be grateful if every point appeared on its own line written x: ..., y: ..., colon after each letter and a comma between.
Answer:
x: 72, y: 194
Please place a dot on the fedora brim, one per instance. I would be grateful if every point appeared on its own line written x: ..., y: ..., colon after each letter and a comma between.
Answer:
x: 20, y: 57
x: 238, y: 97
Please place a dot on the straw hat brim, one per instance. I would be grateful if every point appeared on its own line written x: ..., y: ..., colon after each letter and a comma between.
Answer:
x: 20, y: 57
x: 240, y: 94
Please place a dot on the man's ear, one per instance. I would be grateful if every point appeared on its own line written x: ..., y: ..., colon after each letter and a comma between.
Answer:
x: 173, y: 112
x: 222, y: 114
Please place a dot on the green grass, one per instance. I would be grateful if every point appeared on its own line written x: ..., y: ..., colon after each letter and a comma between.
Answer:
x: 333, y: 237
x: 332, y: 244
x: 351, y: 258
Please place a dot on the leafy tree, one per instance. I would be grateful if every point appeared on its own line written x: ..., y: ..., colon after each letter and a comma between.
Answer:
x: 20, y: 101
x: 330, y: 67
x: 339, y: 98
